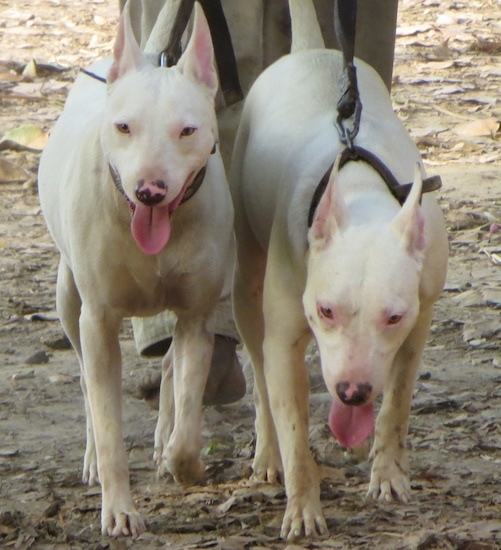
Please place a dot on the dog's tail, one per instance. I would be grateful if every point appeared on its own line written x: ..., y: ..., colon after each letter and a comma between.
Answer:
x: 306, y: 33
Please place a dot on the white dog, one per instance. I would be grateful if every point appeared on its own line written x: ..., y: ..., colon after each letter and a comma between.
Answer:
x: 361, y: 280
x: 118, y: 186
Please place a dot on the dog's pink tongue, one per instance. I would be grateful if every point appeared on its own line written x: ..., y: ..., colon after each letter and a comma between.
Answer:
x: 351, y: 425
x: 151, y: 227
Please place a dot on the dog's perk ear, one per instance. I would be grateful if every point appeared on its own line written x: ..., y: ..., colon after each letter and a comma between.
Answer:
x: 331, y: 214
x: 198, y: 58
x: 408, y: 224
x: 126, y: 53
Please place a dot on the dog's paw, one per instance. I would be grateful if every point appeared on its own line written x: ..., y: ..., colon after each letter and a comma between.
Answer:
x: 184, y: 468
x: 271, y: 474
x: 389, y: 480
x: 303, y: 517
x: 163, y: 471
x: 126, y: 522
x: 267, y: 466
x: 90, y: 474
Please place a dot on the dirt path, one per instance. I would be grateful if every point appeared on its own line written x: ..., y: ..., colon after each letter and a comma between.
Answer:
x: 447, y: 83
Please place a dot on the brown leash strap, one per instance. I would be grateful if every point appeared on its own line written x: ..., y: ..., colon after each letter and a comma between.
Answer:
x: 221, y: 39
x: 225, y: 54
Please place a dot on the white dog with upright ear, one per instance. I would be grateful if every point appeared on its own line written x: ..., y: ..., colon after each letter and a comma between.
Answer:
x: 140, y: 229
x: 361, y: 280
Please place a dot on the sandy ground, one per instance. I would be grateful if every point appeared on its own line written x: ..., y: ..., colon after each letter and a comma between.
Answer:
x: 446, y: 90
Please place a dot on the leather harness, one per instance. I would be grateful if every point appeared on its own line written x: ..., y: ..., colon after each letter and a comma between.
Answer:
x: 399, y: 191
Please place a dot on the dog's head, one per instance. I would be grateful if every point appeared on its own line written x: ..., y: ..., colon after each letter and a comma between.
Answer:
x: 159, y: 127
x: 361, y: 301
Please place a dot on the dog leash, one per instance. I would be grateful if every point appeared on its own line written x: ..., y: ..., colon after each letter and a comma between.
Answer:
x: 223, y: 47
x: 225, y: 54
x: 172, y: 52
x: 221, y: 39
x: 349, y: 106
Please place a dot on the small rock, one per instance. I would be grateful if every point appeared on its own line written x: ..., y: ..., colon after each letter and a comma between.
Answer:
x: 60, y: 343
x: 7, y: 518
x: 9, y: 451
x: 428, y: 540
x: 38, y: 358
x: 52, y: 509
x: 60, y: 379
x: 25, y: 375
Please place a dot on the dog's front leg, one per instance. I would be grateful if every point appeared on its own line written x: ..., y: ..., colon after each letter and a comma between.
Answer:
x: 102, y: 365
x: 248, y: 309
x: 390, y: 469
x: 179, y: 452
x: 69, y: 306
x: 166, y: 410
x: 286, y: 337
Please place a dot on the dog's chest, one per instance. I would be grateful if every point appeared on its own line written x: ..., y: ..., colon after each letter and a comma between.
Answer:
x: 147, y: 293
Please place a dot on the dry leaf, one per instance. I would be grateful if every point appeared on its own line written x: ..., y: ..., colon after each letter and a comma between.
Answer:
x: 413, y: 29
x: 493, y: 256
x: 485, y: 127
x: 24, y: 541
x: 30, y: 69
x: 9, y: 76
x: 27, y: 136
x: 449, y: 90
x: 28, y: 89
x: 11, y: 172
x: 445, y: 19
x: 223, y: 508
x: 476, y: 334
x: 440, y: 65
x: 469, y: 298
x: 99, y: 21
x: 492, y: 295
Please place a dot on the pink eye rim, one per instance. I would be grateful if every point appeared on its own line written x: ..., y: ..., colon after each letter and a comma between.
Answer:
x: 394, y: 319
x: 325, y: 312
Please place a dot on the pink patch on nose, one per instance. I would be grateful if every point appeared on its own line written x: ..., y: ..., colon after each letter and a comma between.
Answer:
x: 151, y: 193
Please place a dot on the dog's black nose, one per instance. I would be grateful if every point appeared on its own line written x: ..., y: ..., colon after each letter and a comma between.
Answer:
x: 151, y: 193
x: 350, y: 395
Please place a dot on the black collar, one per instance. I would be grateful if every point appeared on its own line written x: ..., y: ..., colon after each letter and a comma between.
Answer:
x: 399, y: 191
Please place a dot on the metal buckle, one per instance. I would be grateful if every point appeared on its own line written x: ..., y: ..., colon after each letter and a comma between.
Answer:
x: 345, y: 134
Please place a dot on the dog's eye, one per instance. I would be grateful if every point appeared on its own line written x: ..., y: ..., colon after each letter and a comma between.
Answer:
x: 122, y: 128
x: 188, y: 131
x: 326, y: 312
x: 394, y: 319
